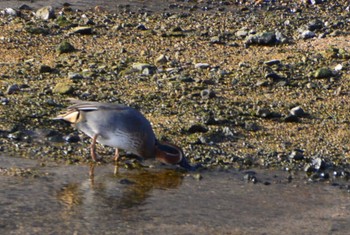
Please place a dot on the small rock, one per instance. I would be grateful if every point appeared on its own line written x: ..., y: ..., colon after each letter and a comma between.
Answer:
x: 75, y: 76
x: 141, y: 66
x: 162, y: 59
x: 63, y: 88
x: 12, y: 89
x: 65, y: 47
x: 242, y: 33
x: 84, y: 30
x: 250, y: 177
x: 216, y: 40
x: 25, y: 7
x: 291, y: 118
x: 141, y: 27
x: 197, y: 176
x: 318, y: 163
x: 297, y: 111
x: 37, y: 30
x: 9, y: 12
x: 338, y: 67
x: 45, y: 13
x: 265, y: 38
x: 306, y: 34
x: 15, y: 135
x: 126, y: 182
x: 207, y: 94
x: 263, y: 112
x: 323, y: 73
x: 197, y: 128
x: 251, y: 126
x: 45, y: 69
x: 315, y: 24
x: 272, y: 62
x: 72, y: 138
x: 296, y: 155
x: 4, y: 101
x: 148, y: 71
x: 262, y: 83
x: 274, y: 76
x: 201, y: 66
x: 281, y: 38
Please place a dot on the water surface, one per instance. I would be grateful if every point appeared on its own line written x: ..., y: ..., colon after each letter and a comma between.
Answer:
x: 63, y: 200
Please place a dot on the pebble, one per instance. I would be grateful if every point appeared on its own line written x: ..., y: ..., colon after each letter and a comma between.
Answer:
x: 263, y: 112
x: 12, y: 89
x: 201, y: 66
x: 45, y: 69
x: 162, y: 59
x: 250, y: 177
x: 65, y: 47
x: 297, y: 111
x: 315, y: 24
x: 338, y: 67
x: 242, y: 33
x: 141, y: 66
x: 274, y: 76
x: 251, y: 126
x: 4, y: 101
x: 197, y: 128
x: 45, y: 13
x: 296, y: 155
x: 318, y: 163
x: 306, y: 34
x: 75, y: 76
x: 323, y: 73
x: 272, y: 62
x: 9, y: 11
x: 25, y: 7
x: 197, y: 176
x: 63, y: 88
x: 207, y: 94
x: 72, y: 138
x: 265, y: 38
x: 291, y: 118
x: 216, y: 40
x: 84, y: 30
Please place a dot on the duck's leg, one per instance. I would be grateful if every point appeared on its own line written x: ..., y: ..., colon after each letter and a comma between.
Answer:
x: 93, y: 147
x: 116, y: 155
x: 92, y: 171
x: 116, y: 158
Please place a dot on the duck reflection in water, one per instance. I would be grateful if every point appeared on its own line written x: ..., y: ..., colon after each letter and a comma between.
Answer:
x: 123, y: 190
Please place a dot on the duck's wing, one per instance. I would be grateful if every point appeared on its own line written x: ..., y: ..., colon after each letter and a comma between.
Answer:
x: 73, y: 114
x: 91, y: 105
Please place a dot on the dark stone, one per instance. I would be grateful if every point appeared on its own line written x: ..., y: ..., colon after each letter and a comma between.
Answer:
x: 291, y: 118
x: 207, y: 94
x: 274, y: 76
x: 65, y: 47
x: 45, y: 69
x: 72, y: 138
x: 296, y: 155
x: 197, y: 128
x: 297, y: 111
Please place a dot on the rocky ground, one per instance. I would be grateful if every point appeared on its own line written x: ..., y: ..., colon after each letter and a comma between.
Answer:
x: 250, y: 84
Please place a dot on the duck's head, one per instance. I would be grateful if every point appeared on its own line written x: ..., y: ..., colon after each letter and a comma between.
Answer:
x: 171, y: 154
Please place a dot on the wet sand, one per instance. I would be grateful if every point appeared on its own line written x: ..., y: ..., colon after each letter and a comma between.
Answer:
x: 63, y: 200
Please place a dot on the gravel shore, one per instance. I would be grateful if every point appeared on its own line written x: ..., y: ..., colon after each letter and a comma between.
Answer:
x: 236, y: 85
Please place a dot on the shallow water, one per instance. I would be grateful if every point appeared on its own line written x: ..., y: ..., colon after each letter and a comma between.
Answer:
x: 111, y: 5
x: 63, y: 200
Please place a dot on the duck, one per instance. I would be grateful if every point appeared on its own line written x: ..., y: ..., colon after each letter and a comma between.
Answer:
x: 121, y: 127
